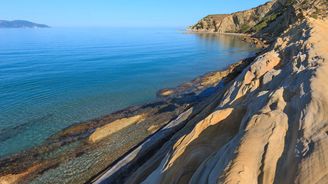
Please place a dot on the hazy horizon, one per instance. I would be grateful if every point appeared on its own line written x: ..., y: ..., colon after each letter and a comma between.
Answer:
x: 102, y: 13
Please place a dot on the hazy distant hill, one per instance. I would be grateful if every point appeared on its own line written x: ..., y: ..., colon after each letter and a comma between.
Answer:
x: 20, y: 24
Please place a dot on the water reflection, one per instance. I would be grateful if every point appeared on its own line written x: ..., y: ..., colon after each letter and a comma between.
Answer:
x: 225, y: 41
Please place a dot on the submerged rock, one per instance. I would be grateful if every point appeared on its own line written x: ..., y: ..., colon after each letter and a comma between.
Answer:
x: 113, y: 127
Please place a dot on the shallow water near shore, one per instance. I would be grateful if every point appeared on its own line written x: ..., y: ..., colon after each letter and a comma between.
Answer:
x: 53, y: 78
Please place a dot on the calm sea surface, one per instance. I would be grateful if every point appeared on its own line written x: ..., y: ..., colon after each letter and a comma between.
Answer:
x: 53, y: 78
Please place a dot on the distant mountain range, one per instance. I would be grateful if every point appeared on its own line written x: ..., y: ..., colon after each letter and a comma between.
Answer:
x: 20, y: 24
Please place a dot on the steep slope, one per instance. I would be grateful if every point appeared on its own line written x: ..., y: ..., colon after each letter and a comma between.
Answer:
x: 268, y: 125
x: 266, y: 21
x: 236, y: 22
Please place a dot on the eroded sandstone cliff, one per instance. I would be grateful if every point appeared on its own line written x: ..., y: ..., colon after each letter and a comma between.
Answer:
x: 267, y: 125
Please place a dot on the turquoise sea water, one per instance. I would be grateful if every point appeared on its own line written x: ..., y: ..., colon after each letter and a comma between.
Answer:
x: 53, y: 78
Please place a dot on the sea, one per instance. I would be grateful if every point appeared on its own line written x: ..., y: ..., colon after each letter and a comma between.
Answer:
x: 53, y: 78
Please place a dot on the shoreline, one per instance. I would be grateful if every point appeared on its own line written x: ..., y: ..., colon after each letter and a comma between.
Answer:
x: 248, y: 38
x: 189, y: 31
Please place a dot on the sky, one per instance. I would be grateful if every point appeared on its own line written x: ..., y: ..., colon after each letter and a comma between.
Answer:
x: 119, y: 13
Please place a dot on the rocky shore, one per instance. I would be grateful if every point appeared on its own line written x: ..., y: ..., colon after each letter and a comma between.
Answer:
x: 261, y: 120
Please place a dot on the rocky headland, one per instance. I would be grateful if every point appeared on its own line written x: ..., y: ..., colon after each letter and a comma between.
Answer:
x: 261, y: 120
x: 21, y: 24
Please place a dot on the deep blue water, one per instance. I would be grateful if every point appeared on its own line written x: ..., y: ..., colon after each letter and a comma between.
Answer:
x: 52, y: 78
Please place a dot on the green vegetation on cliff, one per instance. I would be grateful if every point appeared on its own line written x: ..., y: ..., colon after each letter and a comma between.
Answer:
x: 265, y: 22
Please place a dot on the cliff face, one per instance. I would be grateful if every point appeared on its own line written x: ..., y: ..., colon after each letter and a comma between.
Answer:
x: 235, y: 22
x: 266, y: 21
x: 267, y: 125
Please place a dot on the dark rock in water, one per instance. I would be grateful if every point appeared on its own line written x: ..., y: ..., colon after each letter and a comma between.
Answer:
x: 8, y: 133
x: 21, y: 24
x: 201, y: 86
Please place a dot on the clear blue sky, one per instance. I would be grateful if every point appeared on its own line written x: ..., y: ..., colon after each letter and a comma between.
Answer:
x: 119, y: 13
